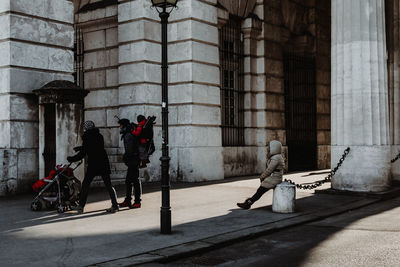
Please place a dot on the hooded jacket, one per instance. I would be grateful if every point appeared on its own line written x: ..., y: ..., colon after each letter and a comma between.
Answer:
x: 131, y: 156
x: 93, y: 147
x: 272, y: 176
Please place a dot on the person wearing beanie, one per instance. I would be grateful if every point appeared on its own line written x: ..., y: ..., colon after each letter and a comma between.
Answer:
x: 98, y: 164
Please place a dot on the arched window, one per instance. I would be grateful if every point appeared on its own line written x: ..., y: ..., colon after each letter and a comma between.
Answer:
x: 232, y: 83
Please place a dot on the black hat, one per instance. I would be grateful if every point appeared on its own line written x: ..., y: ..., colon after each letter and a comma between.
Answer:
x: 140, y: 118
x: 124, y: 122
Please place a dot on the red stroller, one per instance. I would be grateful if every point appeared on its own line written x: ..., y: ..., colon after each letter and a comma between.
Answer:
x: 60, y: 189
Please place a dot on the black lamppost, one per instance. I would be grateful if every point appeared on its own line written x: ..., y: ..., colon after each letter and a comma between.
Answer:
x: 164, y: 7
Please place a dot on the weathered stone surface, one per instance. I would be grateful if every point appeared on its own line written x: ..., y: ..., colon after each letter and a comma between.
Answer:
x: 279, y: 135
x: 102, y: 98
x: 141, y: 50
x: 192, y: 71
x: 190, y: 50
x: 35, y: 30
x: 275, y: 102
x: 24, y: 134
x: 275, y: 119
x: 140, y: 72
x: 197, y: 93
x: 23, y: 108
x: 53, y: 9
x: 195, y: 9
x: 139, y: 30
x: 323, y: 137
x: 284, y: 198
x: 95, y: 79
x: 195, y: 136
x: 243, y: 160
x: 34, y: 56
x: 324, y: 156
x: 192, y: 161
x: 255, y: 136
x: 98, y: 116
x: 191, y: 29
x: 274, y: 84
x: 139, y: 94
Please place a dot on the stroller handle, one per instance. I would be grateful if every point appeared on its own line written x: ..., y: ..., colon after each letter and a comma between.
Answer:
x: 69, y: 165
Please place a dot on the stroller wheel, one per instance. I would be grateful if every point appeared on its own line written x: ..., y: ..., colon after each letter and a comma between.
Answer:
x: 60, y: 209
x: 36, y: 205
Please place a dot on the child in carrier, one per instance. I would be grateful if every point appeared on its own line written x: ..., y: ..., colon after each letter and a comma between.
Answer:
x: 144, y: 131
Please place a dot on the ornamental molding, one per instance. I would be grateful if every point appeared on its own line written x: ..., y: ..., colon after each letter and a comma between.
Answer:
x: 240, y: 8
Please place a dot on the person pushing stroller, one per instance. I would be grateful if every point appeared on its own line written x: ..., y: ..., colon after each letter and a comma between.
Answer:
x: 271, y: 177
x: 98, y: 164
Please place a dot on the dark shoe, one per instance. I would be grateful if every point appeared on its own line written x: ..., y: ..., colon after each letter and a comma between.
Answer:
x: 113, y: 209
x: 78, y: 208
x: 245, y: 205
x: 135, y: 206
x: 125, y: 204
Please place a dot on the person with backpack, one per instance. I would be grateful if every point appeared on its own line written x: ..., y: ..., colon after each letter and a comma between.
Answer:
x: 144, y: 131
x: 138, y: 131
x: 98, y: 164
x: 131, y: 160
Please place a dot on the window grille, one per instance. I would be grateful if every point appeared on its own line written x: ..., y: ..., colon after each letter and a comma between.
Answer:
x: 232, y: 83
x: 78, y: 58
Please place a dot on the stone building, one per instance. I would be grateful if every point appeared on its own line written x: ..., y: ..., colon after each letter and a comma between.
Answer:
x: 318, y: 75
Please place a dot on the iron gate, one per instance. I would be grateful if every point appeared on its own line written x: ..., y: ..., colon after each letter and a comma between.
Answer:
x: 300, y: 100
x: 232, y: 83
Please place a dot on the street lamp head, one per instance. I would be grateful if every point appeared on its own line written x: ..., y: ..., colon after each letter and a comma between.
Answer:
x: 164, y: 3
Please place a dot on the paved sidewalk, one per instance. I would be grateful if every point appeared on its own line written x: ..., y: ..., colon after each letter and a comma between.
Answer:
x: 203, y: 216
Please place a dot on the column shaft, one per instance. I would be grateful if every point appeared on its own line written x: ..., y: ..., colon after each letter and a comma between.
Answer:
x: 360, y: 110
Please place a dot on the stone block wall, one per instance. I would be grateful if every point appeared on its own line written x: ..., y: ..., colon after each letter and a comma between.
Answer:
x: 36, y: 44
x: 100, y: 64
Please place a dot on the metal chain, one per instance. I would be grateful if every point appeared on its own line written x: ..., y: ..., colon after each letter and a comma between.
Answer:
x: 313, y: 185
x: 396, y: 158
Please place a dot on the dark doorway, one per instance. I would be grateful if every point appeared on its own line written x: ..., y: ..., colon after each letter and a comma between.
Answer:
x: 49, y: 152
x: 300, y: 109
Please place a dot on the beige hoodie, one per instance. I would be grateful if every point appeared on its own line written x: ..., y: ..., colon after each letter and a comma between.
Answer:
x: 272, y: 176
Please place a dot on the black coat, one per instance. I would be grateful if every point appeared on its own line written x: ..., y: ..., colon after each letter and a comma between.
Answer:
x: 131, y: 144
x: 93, y: 147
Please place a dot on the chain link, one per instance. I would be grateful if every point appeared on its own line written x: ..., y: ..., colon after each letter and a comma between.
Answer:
x: 396, y: 158
x: 316, y: 184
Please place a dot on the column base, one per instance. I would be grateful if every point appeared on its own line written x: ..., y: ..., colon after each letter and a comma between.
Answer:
x: 366, y: 168
x: 396, y: 164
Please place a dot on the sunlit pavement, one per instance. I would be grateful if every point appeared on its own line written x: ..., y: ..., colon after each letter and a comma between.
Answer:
x: 199, y: 211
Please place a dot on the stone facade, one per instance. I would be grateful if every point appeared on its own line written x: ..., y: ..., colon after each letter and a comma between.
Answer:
x: 37, y: 38
x: 194, y: 80
x: 121, y: 67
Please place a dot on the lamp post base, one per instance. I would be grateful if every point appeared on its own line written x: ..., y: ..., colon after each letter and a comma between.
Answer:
x: 165, y: 220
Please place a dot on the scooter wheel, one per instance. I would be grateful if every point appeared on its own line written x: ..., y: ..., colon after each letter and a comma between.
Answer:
x: 60, y: 209
x: 36, y: 205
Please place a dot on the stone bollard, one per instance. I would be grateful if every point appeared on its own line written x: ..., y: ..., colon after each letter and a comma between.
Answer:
x: 284, y: 198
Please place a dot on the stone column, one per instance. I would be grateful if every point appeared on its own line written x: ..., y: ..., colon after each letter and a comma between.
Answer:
x: 255, y: 100
x: 393, y: 46
x: 360, y: 114
x: 36, y: 42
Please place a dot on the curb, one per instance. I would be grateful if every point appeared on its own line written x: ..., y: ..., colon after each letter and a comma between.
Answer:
x: 191, y: 248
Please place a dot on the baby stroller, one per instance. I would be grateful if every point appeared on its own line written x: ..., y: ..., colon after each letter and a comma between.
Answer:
x: 59, y: 190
